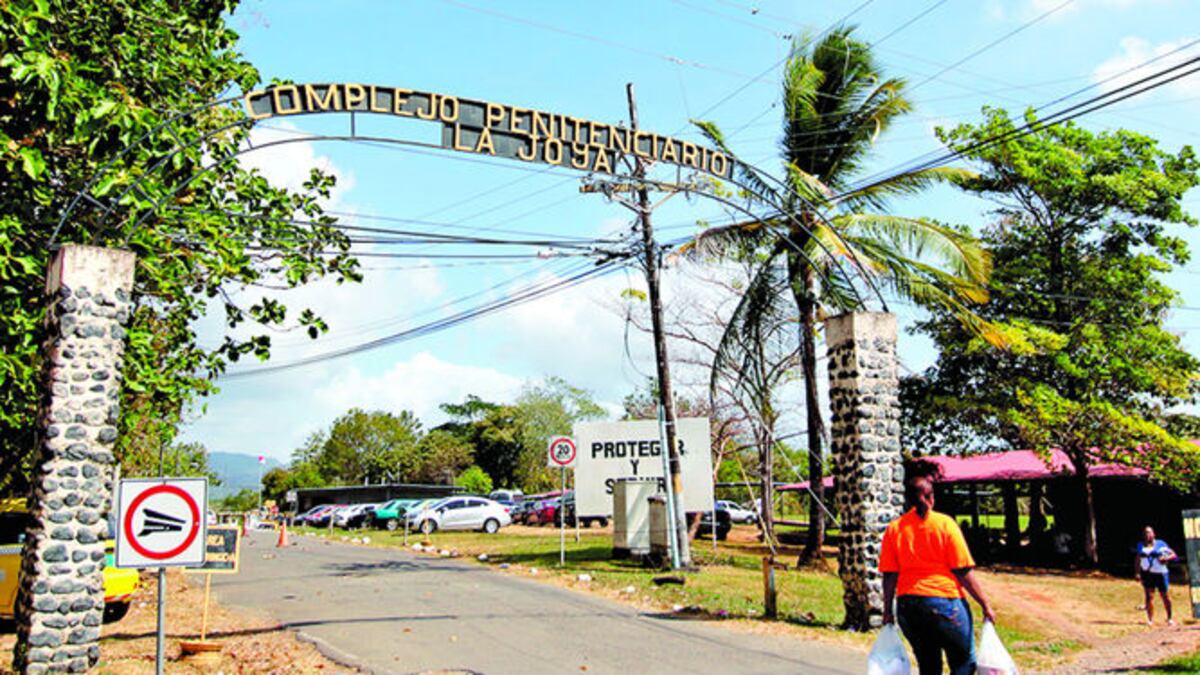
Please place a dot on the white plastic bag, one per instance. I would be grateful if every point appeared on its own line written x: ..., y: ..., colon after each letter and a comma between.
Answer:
x: 992, y: 658
x: 887, y: 655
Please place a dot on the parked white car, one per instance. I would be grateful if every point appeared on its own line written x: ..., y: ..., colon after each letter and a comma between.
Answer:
x: 737, y: 513
x: 507, y: 495
x: 461, y: 513
x: 346, y: 516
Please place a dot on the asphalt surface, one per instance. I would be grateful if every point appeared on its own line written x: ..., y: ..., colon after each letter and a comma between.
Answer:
x: 389, y: 611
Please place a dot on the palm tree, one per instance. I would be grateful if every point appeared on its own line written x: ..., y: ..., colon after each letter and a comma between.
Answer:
x: 836, y: 103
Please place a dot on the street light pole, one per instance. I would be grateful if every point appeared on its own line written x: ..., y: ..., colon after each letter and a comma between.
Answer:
x: 666, y: 401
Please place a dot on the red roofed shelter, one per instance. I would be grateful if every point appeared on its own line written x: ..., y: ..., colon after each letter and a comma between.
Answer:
x: 1023, y: 481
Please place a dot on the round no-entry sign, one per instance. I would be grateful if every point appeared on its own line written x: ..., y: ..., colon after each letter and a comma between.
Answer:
x: 161, y: 522
x: 562, y: 452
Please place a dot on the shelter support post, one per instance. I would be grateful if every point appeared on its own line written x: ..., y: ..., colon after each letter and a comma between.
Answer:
x: 60, y: 602
x: 1012, y: 518
x: 867, y: 465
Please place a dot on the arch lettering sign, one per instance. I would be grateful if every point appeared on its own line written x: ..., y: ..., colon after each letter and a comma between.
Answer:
x: 495, y: 129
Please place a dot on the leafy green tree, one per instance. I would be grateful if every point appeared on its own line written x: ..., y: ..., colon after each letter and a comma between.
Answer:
x: 279, y: 480
x: 836, y: 103
x: 80, y: 82
x: 474, y: 480
x: 370, y: 447
x: 443, y: 455
x: 1085, y: 226
x: 244, y: 500
x: 491, y: 429
x: 510, y: 440
x: 276, y: 483
x: 543, y: 411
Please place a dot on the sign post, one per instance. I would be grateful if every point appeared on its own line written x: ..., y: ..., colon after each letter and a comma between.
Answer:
x: 1191, y: 533
x: 161, y: 523
x: 562, y: 454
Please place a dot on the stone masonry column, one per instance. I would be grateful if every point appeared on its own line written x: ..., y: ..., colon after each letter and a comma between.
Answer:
x: 867, y: 466
x: 60, y: 603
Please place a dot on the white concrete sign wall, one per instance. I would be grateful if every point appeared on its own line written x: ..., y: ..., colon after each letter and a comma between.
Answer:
x: 611, y: 450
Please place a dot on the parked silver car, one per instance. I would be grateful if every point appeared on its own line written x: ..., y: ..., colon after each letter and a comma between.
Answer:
x: 737, y: 513
x: 460, y: 513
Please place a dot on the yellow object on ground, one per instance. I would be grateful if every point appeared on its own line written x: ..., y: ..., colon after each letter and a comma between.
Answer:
x: 119, y: 584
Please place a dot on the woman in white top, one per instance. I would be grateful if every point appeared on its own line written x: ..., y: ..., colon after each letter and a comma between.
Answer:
x: 1150, y: 568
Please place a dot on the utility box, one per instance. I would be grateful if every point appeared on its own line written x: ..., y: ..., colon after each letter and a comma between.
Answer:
x: 631, y: 516
x: 660, y: 533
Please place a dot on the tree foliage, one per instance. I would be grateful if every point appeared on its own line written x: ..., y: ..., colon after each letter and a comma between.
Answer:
x: 1086, y: 226
x: 370, y: 447
x: 81, y: 83
x: 820, y: 235
x: 474, y: 480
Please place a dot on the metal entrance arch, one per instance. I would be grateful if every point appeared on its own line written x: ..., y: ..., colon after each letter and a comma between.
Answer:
x: 476, y: 127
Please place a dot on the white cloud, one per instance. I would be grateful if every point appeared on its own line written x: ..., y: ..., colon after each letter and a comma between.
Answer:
x: 1135, y: 51
x: 289, y: 165
x: 419, y: 384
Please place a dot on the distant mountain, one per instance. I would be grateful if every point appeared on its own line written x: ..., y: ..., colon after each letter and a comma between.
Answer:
x: 236, y: 472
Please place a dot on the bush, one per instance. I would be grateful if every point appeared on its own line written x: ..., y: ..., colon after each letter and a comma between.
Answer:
x: 475, y: 480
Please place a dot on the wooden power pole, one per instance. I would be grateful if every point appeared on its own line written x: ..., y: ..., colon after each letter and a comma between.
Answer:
x: 666, y: 400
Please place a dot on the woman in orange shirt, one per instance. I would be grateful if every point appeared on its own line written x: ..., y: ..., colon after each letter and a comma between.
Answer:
x: 926, y: 568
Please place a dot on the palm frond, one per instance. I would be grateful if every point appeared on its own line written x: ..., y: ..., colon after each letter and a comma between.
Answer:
x: 722, y: 240
x: 747, y: 176
x: 959, y: 252
x: 875, y: 196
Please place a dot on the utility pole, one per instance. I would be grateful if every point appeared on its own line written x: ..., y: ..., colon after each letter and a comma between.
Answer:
x: 666, y: 401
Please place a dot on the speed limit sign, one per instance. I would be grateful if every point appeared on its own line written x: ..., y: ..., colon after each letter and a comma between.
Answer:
x: 562, y: 453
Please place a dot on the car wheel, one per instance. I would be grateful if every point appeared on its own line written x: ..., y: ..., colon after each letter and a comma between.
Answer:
x: 491, y: 526
x: 428, y: 527
x: 115, y: 611
x: 392, y: 524
x: 603, y: 522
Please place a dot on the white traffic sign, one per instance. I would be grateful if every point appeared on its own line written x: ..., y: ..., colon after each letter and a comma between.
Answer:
x: 612, y: 450
x: 562, y: 453
x: 161, y: 522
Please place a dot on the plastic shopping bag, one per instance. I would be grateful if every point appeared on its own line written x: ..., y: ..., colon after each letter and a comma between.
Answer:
x: 992, y: 658
x: 887, y: 655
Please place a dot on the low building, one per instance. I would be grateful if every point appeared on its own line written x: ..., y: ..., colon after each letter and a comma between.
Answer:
x: 1020, y: 507
x: 306, y: 498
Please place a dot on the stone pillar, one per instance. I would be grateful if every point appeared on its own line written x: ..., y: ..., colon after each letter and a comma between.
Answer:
x: 60, y: 603
x: 867, y: 465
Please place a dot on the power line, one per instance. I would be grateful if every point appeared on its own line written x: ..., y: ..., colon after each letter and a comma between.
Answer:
x: 1065, y: 115
x: 353, y: 331
x: 433, y: 326
x: 642, y: 51
x: 991, y: 44
x: 1124, y: 72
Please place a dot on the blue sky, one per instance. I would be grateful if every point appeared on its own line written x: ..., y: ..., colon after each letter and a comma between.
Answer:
x: 686, y: 57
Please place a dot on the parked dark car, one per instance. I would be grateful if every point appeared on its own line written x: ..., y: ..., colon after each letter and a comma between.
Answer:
x: 321, y: 518
x: 568, y: 511
x: 520, y: 510
x: 543, y: 512
x: 724, y: 524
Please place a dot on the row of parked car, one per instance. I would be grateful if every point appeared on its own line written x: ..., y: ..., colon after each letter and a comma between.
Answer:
x: 488, y: 514
x: 425, y: 515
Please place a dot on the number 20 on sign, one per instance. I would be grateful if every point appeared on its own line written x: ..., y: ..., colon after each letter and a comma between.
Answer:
x: 562, y: 453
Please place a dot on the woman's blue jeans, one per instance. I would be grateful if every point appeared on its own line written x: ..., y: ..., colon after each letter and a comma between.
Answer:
x: 936, y: 625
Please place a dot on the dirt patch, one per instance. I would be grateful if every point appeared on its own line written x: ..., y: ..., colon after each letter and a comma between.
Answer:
x: 253, y: 643
x: 1101, y: 613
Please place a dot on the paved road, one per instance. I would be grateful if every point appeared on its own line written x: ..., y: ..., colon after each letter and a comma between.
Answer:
x: 389, y: 611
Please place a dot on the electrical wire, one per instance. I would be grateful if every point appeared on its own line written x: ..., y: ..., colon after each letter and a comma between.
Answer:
x: 433, y: 326
x: 1073, y: 112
